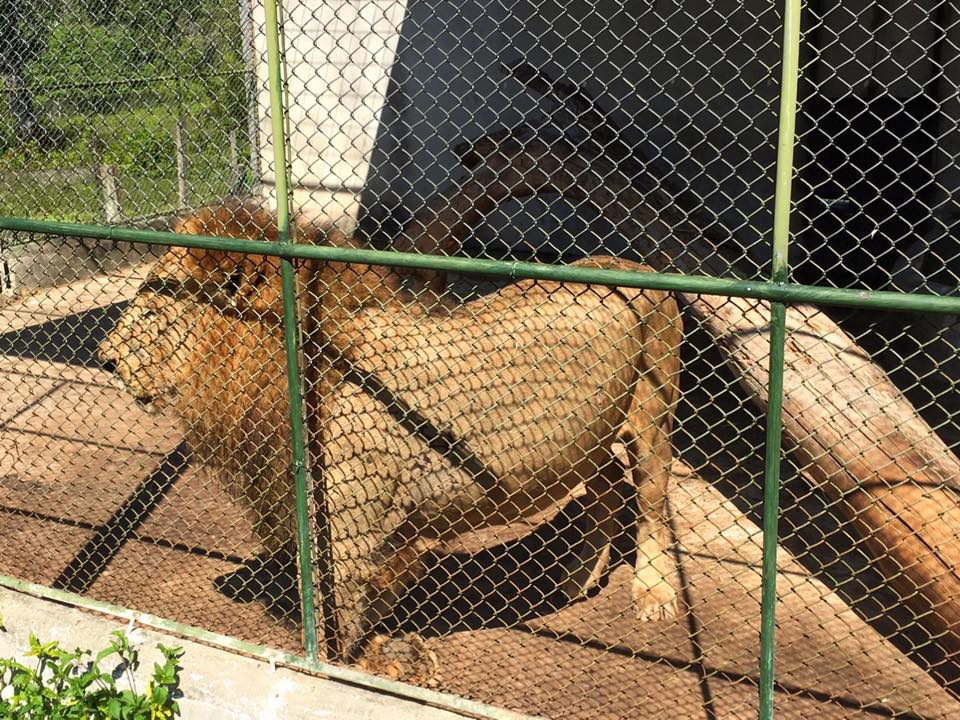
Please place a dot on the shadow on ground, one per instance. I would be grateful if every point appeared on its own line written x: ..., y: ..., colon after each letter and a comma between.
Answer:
x: 72, y: 339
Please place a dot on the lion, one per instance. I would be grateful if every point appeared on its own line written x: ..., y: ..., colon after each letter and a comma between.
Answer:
x: 430, y: 424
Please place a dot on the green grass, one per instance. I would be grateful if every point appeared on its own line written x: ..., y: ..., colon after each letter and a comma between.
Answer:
x: 140, y: 144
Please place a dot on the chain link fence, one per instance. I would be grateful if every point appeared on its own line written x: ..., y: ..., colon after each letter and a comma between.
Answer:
x: 530, y: 476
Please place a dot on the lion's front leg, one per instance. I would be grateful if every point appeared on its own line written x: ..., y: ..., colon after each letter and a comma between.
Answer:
x: 376, y: 544
x: 368, y: 587
x: 405, y: 657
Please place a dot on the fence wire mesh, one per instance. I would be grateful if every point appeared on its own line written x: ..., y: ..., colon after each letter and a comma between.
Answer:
x: 540, y: 495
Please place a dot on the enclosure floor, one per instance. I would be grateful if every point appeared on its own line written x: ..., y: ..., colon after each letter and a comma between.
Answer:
x: 77, y: 510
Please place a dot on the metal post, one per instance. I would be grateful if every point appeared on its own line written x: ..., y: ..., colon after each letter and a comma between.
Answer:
x: 179, y: 140
x: 771, y: 510
x: 789, y: 73
x: 290, y: 330
x: 248, y: 52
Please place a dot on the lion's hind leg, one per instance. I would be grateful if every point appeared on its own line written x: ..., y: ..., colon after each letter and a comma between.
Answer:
x: 586, y: 566
x: 655, y: 578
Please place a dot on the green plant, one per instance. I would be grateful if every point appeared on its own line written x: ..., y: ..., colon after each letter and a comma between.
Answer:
x: 145, y: 148
x: 86, y: 68
x: 72, y: 686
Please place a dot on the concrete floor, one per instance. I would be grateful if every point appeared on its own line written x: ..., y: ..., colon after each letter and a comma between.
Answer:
x: 100, y: 498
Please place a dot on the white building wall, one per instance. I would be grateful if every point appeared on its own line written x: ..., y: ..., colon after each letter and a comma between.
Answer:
x: 339, y: 54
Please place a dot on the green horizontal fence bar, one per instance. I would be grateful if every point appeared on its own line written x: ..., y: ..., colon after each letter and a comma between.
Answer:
x: 783, y: 182
x: 788, y: 293
x: 339, y: 673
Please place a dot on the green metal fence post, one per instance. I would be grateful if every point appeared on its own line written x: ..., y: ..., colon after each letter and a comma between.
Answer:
x: 290, y: 329
x: 781, y: 231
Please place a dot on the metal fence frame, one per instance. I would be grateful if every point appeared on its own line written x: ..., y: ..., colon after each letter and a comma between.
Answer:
x: 779, y: 291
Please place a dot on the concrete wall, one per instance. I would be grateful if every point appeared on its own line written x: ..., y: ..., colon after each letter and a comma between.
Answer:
x: 215, y: 684
x: 901, y: 60
x: 694, y: 81
x: 339, y: 54
x: 380, y: 92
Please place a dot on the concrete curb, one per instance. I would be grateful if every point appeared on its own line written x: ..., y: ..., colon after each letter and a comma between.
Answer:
x: 216, y: 684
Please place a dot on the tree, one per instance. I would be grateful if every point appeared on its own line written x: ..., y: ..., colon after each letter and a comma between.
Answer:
x: 14, y: 53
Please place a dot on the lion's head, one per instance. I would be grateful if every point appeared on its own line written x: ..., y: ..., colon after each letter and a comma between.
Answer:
x: 199, y: 307
x: 194, y: 305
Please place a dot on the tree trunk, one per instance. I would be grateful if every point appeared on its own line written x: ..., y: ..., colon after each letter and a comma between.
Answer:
x: 20, y: 105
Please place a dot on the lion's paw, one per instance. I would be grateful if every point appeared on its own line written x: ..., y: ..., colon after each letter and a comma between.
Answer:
x: 654, y: 598
x: 406, y: 658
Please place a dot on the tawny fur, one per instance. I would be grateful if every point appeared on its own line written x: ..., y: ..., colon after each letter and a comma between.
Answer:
x: 431, y: 424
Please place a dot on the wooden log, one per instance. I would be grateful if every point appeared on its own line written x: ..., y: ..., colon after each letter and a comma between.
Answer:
x: 852, y: 432
x: 180, y: 145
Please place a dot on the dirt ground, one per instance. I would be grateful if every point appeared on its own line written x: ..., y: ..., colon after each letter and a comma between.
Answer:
x: 102, y: 499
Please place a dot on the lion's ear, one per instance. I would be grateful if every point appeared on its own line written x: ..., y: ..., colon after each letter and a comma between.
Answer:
x: 190, y: 226
x: 259, y: 296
